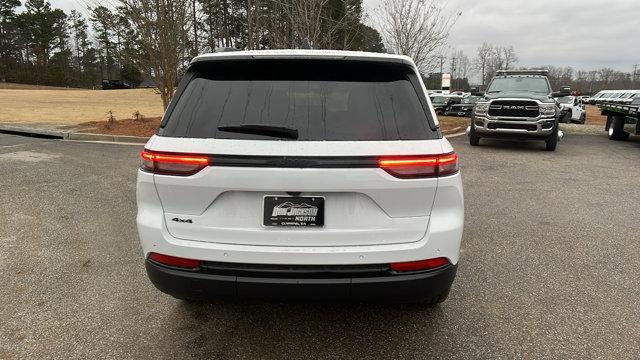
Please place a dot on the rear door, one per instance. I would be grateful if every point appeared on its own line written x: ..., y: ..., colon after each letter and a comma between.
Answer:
x: 347, y: 114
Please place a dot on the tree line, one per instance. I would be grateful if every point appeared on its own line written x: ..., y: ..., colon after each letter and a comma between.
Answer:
x: 490, y: 58
x: 134, y: 39
x: 44, y: 45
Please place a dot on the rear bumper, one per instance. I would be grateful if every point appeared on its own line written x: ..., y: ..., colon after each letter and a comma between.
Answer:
x: 288, y: 285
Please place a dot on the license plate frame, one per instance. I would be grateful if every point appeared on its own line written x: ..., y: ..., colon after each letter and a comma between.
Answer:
x: 293, y: 211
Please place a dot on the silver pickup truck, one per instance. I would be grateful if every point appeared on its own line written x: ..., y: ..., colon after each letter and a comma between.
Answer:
x: 518, y: 104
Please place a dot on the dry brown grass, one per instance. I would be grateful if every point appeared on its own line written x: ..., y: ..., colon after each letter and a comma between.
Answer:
x: 594, y: 117
x: 7, y: 85
x: 453, y: 124
x: 78, y: 106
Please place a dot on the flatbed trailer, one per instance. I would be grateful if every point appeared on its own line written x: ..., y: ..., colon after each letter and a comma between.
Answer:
x: 622, y: 120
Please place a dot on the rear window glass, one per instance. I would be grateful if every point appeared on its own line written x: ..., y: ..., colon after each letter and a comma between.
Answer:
x: 322, y: 99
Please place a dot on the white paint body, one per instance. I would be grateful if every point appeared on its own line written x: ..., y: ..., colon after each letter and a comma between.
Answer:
x: 371, y: 217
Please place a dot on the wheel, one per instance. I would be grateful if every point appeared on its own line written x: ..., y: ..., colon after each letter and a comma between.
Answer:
x: 438, y: 111
x: 583, y: 118
x: 552, y: 141
x: 474, y: 140
x: 616, y: 131
x: 566, y: 118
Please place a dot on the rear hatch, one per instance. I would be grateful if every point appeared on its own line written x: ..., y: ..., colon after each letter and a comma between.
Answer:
x: 294, y: 149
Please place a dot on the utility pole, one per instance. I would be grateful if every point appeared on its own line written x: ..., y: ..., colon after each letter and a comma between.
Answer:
x: 453, y: 71
x: 442, y: 58
x: 635, y: 73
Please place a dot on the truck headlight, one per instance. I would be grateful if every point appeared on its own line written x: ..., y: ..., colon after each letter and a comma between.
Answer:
x: 548, y: 109
x: 481, y: 109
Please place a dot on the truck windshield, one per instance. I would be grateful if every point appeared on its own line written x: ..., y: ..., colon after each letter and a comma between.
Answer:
x: 565, y: 100
x: 519, y: 84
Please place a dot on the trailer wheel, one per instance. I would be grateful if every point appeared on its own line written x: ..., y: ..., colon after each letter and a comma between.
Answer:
x: 616, y: 131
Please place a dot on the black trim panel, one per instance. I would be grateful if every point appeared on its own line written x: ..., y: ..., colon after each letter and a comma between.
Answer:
x: 295, y: 161
x: 343, y: 285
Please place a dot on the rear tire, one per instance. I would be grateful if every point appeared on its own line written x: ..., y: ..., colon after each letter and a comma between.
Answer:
x: 552, y: 141
x: 616, y: 131
x: 474, y: 140
x: 437, y: 299
x: 566, y: 118
x: 583, y: 119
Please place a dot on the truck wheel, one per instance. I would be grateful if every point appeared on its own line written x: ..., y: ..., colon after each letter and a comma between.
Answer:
x: 566, y: 118
x: 552, y: 141
x: 616, y: 131
x: 474, y: 140
x: 583, y: 118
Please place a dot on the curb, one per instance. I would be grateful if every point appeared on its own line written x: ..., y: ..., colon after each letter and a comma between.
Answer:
x: 453, y: 132
x: 456, y: 135
x: 65, y: 135
x: 107, y: 138
x: 36, y: 132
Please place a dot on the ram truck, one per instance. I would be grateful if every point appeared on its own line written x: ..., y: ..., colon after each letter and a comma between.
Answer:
x: 518, y: 104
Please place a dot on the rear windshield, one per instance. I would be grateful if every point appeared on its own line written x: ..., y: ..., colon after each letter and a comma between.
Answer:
x: 329, y: 100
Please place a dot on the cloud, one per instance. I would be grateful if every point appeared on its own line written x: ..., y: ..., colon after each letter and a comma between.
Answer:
x: 578, y: 33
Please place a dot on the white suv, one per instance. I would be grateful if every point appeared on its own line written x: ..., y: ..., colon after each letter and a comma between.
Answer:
x: 301, y: 174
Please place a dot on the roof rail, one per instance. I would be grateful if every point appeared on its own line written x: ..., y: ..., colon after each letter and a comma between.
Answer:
x: 542, y: 72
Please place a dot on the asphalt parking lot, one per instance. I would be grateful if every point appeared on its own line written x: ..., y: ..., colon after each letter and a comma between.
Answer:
x: 550, y: 266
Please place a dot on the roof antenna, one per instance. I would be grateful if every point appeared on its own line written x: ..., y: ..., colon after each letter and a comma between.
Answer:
x: 305, y: 44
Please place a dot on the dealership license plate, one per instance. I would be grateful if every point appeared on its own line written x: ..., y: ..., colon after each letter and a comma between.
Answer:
x: 293, y: 211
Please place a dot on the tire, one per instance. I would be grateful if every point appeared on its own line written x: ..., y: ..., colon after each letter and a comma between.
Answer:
x: 583, y: 118
x: 474, y: 140
x: 437, y: 299
x: 616, y: 131
x: 566, y: 118
x: 552, y: 141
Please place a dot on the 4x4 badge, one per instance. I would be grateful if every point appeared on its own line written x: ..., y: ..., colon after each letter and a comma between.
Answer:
x: 188, y: 221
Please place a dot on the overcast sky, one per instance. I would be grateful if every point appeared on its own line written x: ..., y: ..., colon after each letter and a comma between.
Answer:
x: 584, y: 34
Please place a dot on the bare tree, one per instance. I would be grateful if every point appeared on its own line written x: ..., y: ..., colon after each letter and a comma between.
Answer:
x: 307, y: 21
x: 509, y: 56
x: 417, y: 28
x: 482, y: 59
x: 462, y: 64
x: 163, y: 27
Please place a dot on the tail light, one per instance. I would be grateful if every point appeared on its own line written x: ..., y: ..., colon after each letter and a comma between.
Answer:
x: 413, y: 167
x: 428, y: 264
x: 174, y: 261
x: 172, y: 163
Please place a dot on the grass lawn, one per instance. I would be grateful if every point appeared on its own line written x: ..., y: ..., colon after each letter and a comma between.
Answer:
x: 72, y: 107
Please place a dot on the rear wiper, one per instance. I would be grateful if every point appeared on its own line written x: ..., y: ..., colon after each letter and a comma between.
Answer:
x: 493, y: 91
x: 262, y: 129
